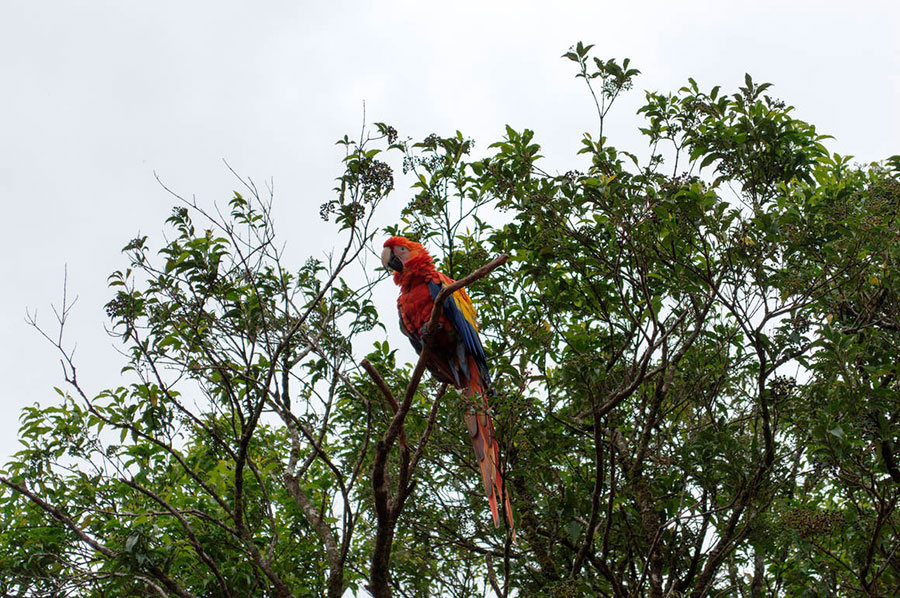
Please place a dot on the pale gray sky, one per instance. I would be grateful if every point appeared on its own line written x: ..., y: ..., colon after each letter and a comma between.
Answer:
x: 97, y: 95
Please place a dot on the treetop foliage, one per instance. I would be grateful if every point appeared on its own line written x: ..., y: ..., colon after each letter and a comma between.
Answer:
x: 694, y: 353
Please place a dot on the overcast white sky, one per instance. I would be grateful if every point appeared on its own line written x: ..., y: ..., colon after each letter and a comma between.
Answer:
x: 97, y: 95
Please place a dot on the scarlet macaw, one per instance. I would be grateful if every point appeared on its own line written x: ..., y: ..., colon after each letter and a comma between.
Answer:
x: 457, y: 356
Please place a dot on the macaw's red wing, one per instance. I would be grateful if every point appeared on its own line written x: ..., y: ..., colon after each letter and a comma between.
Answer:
x: 434, y: 362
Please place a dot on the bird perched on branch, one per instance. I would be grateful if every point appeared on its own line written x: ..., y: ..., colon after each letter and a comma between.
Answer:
x: 456, y: 355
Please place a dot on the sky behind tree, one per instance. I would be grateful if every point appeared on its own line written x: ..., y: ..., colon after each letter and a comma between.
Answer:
x: 100, y: 97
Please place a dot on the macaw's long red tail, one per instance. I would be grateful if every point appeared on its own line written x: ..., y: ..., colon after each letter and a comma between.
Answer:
x: 487, y: 451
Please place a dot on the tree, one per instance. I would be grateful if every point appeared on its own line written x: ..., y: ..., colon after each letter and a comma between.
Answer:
x: 229, y: 466
x: 695, y: 369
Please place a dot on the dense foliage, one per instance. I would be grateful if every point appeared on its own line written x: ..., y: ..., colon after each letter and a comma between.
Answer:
x: 695, y: 356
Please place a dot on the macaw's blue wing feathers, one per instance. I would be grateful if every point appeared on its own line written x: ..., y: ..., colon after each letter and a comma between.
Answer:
x: 460, y: 312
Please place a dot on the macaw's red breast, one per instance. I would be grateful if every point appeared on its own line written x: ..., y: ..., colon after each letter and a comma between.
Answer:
x: 415, y: 305
x: 415, y: 301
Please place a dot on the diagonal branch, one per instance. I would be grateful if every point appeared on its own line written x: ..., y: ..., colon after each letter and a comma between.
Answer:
x: 59, y: 516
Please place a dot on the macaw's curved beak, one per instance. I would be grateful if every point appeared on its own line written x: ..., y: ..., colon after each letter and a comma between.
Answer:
x: 391, y: 261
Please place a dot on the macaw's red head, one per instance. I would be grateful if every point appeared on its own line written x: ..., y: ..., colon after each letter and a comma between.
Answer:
x: 406, y: 258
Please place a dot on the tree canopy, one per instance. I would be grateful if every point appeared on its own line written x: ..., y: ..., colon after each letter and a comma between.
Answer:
x: 694, y: 353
